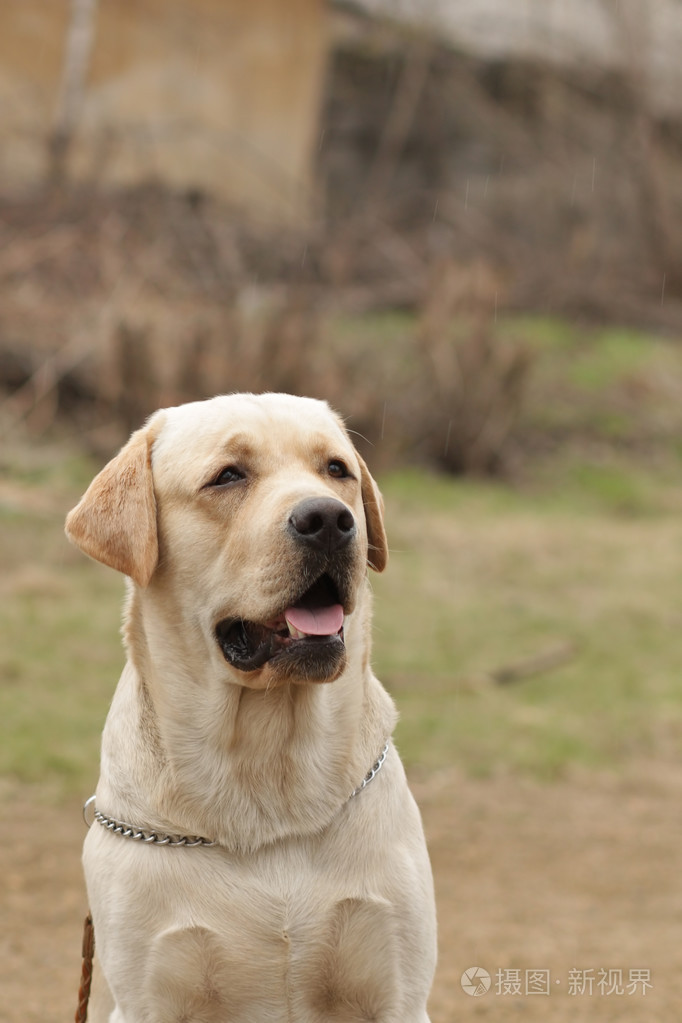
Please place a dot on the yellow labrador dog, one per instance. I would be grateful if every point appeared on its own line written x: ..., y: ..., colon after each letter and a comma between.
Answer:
x: 260, y: 858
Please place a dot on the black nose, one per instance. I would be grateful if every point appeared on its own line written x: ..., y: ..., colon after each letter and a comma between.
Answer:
x: 322, y: 523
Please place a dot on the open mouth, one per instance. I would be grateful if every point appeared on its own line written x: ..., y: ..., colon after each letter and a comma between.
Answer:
x: 306, y: 638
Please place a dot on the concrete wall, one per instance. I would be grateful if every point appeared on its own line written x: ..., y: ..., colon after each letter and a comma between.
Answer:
x: 220, y: 95
x: 608, y: 34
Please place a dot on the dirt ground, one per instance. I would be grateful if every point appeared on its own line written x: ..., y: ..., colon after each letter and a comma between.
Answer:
x: 573, y: 880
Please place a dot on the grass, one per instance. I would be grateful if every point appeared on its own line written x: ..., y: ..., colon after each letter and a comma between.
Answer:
x: 585, y: 551
x: 482, y: 578
x: 610, y: 385
x: 60, y: 652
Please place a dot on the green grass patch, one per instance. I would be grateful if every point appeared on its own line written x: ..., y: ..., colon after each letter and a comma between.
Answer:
x: 60, y: 654
x: 482, y: 578
x: 610, y: 385
x: 61, y: 657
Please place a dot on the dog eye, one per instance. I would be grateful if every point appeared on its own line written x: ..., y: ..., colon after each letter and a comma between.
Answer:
x: 229, y: 475
x: 338, y: 469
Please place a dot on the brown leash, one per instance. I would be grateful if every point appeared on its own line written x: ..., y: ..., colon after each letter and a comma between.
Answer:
x: 86, y: 972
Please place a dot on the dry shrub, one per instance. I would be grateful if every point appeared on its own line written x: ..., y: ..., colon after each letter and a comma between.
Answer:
x: 293, y: 349
x: 451, y: 392
x: 154, y: 360
x: 150, y: 300
x: 476, y: 377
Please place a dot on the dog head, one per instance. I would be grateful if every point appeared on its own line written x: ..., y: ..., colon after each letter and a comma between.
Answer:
x: 250, y: 517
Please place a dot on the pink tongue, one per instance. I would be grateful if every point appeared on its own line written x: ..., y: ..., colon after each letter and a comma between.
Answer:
x: 322, y: 621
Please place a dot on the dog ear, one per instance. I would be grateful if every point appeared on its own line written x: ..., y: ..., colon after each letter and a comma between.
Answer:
x: 377, y: 554
x: 115, y: 520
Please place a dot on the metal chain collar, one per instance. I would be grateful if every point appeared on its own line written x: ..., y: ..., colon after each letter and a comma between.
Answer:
x: 139, y: 834
x: 372, y: 773
x: 191, y: 841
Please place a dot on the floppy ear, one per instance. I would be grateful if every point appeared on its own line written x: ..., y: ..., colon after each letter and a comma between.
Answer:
x: 377, y: 554
x: 115, y: 520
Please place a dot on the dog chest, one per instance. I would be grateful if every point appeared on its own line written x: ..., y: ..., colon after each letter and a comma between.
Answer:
x: 250, y: 941
x: 338, y: 964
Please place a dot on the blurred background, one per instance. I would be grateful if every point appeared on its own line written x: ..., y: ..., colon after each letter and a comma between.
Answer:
x: 459, y: 222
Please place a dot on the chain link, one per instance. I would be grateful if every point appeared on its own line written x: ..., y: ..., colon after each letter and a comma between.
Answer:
x: 150, y: 837
x: 191, y: 841
x: 372, y: 773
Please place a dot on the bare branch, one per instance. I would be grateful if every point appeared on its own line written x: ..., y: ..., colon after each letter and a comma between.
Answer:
x: 79, y: 42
